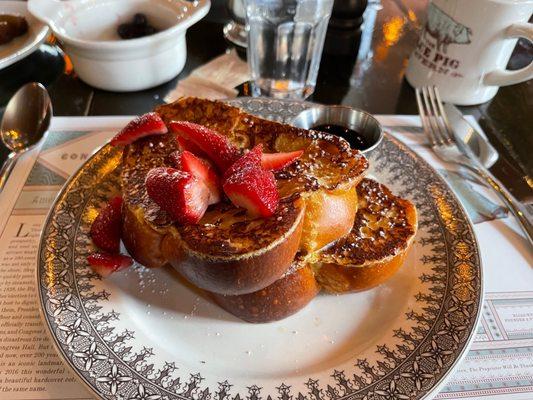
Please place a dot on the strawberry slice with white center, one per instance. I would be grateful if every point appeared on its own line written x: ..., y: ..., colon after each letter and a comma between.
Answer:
x: 200, y: 168
x: 249, y: 186
x: 255, y: 190
x: 179, y: 193
x: 217, y: 147
x: 105, y: 264
x: 250, y: 159
x: 107, y: 227
x: 145, y: 125
x: 278, y: 161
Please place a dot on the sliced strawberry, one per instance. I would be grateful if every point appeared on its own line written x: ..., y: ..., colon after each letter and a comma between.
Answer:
x: 190, y: 146
x: 251, y: 159
x: 277, y: 161
x: 182, y: 195
x: 106, y: 228
x: 217, y: 147
x: 145, y: 125
x: 202, y: 169
x: 105, y: 264
x: 253, y: 189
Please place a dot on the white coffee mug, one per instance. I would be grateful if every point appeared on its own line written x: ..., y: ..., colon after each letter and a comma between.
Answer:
x: 465, y: 46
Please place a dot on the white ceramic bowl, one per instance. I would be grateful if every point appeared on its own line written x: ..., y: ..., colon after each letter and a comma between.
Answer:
x: 87, y: 30
x: 26, y: 44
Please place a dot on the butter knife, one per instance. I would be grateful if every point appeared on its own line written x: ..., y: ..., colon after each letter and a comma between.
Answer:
x: 464, y: 131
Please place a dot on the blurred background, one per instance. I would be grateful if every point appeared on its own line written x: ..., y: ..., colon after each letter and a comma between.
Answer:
x: 363, y: 65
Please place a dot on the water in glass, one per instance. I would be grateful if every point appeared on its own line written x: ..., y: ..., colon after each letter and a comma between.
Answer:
x: 285, y: 41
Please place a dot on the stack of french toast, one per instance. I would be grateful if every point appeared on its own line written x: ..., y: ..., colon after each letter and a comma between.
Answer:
x: 260, y: 215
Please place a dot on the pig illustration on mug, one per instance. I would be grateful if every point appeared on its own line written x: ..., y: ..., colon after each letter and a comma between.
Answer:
x: 444, y: 29
x: 465, y: 46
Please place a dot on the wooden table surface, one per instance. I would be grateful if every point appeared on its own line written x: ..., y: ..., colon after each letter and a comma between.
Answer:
x: 362, y: 69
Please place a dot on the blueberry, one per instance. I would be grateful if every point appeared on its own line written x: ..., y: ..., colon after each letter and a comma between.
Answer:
x: 149, y: 30
x: 125, y: 31
x: 140, y: 19
x: 136, y: 29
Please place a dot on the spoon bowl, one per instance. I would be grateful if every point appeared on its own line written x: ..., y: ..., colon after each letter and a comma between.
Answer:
x: 25, y: 121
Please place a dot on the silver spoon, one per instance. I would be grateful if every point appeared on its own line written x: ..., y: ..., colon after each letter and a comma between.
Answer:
x: 26, y: 120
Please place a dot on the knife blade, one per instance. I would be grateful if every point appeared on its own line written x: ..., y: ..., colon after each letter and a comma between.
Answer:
x: 470, y: 136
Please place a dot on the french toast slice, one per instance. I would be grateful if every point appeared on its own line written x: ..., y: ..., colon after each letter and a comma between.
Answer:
x: 373, y: 251
x: 288, y: 295
x: 226, y: 251
x: 325, y: 175
x: 375, y: 248
x: 229, y: 252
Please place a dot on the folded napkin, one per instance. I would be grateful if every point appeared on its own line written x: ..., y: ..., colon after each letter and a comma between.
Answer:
x: 215, y: 80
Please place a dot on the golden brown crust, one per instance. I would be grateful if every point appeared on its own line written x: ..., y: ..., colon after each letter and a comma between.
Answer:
x: 284, y: 297
x: 213, y: 114
x: 226, y: 231
x: 137, y: 160
x: 369, y: 261
x: 234, y: 251
x: 384, y: 228
x: 328, y: 161
x: 234, y: 274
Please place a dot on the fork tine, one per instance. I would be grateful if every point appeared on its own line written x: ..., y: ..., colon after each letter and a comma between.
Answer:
x: 439, y: 129
x: 448, y: 129
x: 425, y: 121
x: 433, y: 122
x: 439, y: 118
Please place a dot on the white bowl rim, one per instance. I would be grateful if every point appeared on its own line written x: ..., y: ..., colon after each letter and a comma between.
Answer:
x: 201, y: 9
x: 39, y: 37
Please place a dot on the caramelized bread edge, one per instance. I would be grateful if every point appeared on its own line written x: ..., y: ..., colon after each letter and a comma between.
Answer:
x: 245, y: 273
x: 336, y: 278
x: 283, y: 298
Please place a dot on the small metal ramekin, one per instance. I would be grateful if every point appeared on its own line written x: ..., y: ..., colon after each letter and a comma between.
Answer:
x: 352, y: 118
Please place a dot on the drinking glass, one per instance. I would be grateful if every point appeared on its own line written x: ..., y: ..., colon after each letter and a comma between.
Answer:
x: 285, y: 40
x: 235, y: 30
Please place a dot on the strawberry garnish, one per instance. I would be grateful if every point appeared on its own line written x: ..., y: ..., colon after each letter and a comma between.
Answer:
x: 217, y: 147
x: 253, y: 189
x: 182, y: 195
x: 251, y: 159
x: 277, y: 161
x: 145, y: 125
x: 105, y: 264
x: 190, y: 146
x: 249, y: 186
x: 201, y: 169
x: 106, y: 228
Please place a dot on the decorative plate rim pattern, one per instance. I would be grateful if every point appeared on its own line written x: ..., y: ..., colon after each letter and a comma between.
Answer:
x: 405, y: 371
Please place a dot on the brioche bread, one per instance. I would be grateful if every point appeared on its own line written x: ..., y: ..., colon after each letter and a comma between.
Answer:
x: 384, y: 228
x: 371, y: 253
x: 288, y: 295
x: 229, y: 252
x: 325, y: 175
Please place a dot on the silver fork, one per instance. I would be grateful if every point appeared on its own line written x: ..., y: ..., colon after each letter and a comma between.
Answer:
x: 447, y: 148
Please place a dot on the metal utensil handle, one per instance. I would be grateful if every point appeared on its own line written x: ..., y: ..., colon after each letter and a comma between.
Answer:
x: 7, y: 168
x: 510, y: 201
x: 475, y: 164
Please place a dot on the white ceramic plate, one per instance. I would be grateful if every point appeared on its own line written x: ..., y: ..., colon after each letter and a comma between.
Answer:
x: 23, y: 45
x: 144, y: 334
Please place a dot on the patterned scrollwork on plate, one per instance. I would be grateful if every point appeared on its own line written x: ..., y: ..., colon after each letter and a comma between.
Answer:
x: 435, y: 334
